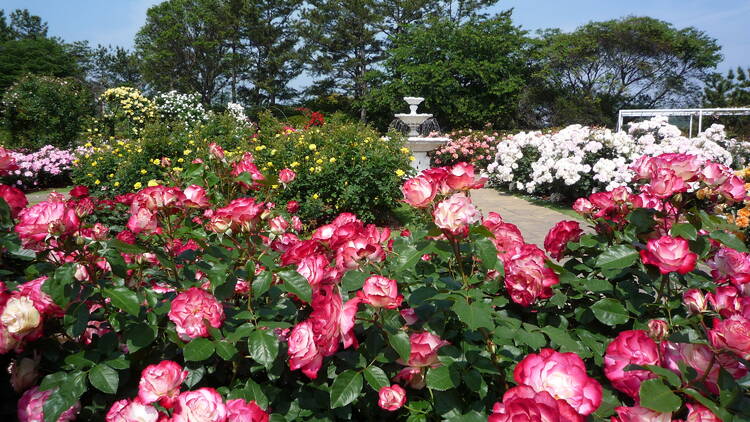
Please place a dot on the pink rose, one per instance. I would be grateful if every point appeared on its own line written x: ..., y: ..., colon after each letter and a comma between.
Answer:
x: 640, y: 414
x: 303, y: 353
x: 130, y: 411
x: 246, y: 165
x: 562, y: 375
x: 143, y: 221
x: 670, y: 254
x: 461, y: 177
x: 216, y: 151
x: 583, y: 206
x: 42, y: 301
x: 278, y: 225
x: 424, y: 348
x: 630, y: 347
x: 714, y: 174
x: 732, y: 334
x: 202, y: 405
x: 286, y: 176
x: 44, y: 219
x: 195, y: 196
x: 241, y: 214
x: 7, y: 162
x: 701, y: 358
x: 419, y: 191
x: 658, y: 329
x: 15, y: 199
x: 158, y: 198
x: 644, y: 167
x: 508, y: 238
x: 699, y: 413
x: 666, y: 183
x: 239, y: 410
x: 726, y: 301
x: 527, y: 277
x: 522, y: 403
x: 31, y: 403
x: 161, y: 382
x: 687, y: 167
x: 728, y: 264
x: 189, y: 311
x: 455, y: 214
x: 314, y: 268
x: 694, y: 301
x: 733, y: 189
x: 412, y: 377
x: 391, y: 398
x: 380, y: 292
x: 558, y: 237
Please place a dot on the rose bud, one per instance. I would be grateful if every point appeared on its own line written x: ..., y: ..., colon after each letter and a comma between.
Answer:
x: 380, y: 292
x: 658, y: 329
x: 413, y: 377
x: 694, y: 301
x: 292, y: 207
x: 23, y: 373
x: 216, y: 151
x: 286, y: 176
x: 391, y: 398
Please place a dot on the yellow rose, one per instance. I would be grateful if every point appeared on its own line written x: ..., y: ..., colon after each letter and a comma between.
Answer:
x: 137, y: 185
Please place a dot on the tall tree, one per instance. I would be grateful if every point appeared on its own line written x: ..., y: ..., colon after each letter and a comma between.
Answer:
x: 24, y: 25
x: 463, y: 10
x: 344, y: 38
x: 628, y: 62
x: 42, y: 56
x: 184, y: 46
x: 732, y: 90
x: 114, y: 66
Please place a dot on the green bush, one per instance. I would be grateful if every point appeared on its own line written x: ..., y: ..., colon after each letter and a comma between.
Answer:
x: 340, y: 166
x: 44, y: 110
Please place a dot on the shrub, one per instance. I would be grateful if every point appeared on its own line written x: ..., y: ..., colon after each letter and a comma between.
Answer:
x: 47, y: 168
x: 215, y: 305
x: 44, y: 110
x: 124, y: 113
x: 177, y: 108
x: 469, y: 146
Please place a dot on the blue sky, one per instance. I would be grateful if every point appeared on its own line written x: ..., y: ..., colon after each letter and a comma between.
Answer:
x: 116, y: 21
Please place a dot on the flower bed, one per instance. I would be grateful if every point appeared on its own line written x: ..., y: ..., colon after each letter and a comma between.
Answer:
x: 208, y: 304
x: 45, y: 168
x: 578, y: 160
x: 469, y: 146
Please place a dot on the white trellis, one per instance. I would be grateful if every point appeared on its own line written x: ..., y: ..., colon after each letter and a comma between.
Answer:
x: 691, y: 112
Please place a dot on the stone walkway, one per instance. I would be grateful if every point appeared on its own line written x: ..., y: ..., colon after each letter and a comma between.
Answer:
x: 534, y: 221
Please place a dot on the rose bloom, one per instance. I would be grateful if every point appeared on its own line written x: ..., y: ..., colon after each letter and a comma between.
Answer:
x: 714, y: 174
x: 732, y: 334
x: 20, y: 316
x: 424, y: 348
x: 562, y: 375
x: 412, y: 377
x: 239, y: 410
x: 240, y: 214
x: 380, y: 292
x: 666, y: 183
x: 7, y: 162
x: 461, y: 177
x: 640, y: 414
x: 292, y: 207
x: 733, y: 189
x: 522, y: 403
x: 391, y: 398
x: 314, y: 268
x: 583, y: 206
x: 630, y: 347
x: 216, y: 150
x: 30, y: 407
x: 195, y: 196
x: 158, y: 198
x: 658, y: 329
x: 143, y: 221
x: 699, y: 413
x: 726, y: 301
x: 161, y: 382
x: 287, y: 176
x: 303, y: 353
x: 202, y: 405
x: 527, y: 277
x: 558, y: 237
x: 508, y: 238
x: 455, y: 214
x: 728, y: 264
x: 694, y: 301
x: 24, y: 373
x: 700, y: 357
x: 43, y: 219
x: 670, y: 254
x: 42, y: 301
x: 79, y: 192
x: 189, y: 310
x: 15, y: 199
x: 419, y: 191
x: 131, y: 411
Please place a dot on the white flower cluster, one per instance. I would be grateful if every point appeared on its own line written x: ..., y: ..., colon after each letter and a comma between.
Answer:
x: 178, y: 107
x: 585, y: 159
x: 237, y: 111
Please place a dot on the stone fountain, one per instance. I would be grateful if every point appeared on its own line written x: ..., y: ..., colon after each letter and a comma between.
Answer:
x: 419, y: 145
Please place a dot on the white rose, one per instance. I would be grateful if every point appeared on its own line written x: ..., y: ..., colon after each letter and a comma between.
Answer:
x: 20, y: 316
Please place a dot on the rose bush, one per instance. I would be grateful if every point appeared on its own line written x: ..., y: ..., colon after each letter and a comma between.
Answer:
x: 206, y: 299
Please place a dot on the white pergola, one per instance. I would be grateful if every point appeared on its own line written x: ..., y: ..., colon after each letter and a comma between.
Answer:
x: 692, y: 112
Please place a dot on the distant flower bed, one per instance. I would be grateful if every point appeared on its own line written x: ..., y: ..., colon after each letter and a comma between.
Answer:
x: 475, y: 147
x: 47, y: 167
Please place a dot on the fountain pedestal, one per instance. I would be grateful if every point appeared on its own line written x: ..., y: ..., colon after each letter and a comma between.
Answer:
x: 419, y: 145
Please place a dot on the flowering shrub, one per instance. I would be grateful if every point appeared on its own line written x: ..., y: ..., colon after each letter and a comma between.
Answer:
x: 125, y: 111
x: 475, y: 147
x: 578, y: 160
x: 185, y: 109
x: 47, y: 167
x: 209, y: 304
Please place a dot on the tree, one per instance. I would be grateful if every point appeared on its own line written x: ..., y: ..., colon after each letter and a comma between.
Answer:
x: 114, y: 66
x: 470, y: 73
x: 628, y: 62
x: 344, y: 38
x: 24, y: 25
x: 39, y: 56
x: 732, y: 90
x: 184, y: 46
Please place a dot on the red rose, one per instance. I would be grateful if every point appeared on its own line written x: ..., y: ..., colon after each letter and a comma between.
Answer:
x: 508, y: 238
x: 670, y: 254
x: 391, y: 398
x: 630, y: 347
x: 79, y: 192
x: 562, y: 375
x: 15, y: 199
x: 292, y: 207
x: 558, y: 237
x: 380, y: 292
x: 192, y: 309
x: 238, y: 410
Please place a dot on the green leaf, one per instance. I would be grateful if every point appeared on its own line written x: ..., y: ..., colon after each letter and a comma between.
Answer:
x: 225, y: 349
x: 615, y: 257
x: 262, y: 283
x: 657, y: 396
x: 376, y: 377
x: 408, y: 257
x: 297, y: 284
x: 56, y: 404
x: 104, y: 378
x: 487, y: 252
x: 124, y: 298
x: 610, y: 311
x: 669, y: 376
x: 345, y: 388
x: 400, y: 343
x: 476, y: 315
x: 126, y: 247
x: 442, y: 378
x: 263, y: 347
x: 117, y: 263
x: 729, y: 240
x: 684, y: 230
x: 565, y: 341
x: 198, y: 349
x: 139, y: 336
x: 353, y: 280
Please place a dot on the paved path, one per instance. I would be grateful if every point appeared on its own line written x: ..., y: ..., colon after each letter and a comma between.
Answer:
x: 533, y: 220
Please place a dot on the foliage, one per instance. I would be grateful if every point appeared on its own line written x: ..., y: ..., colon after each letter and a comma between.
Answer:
x: 470, y: 74
x: 124, y: 112
x: 179, y: 108
x: 470, y: 146
x: 732, y: 90
x: 632, y: 62
x: 40, y: 110
x: 49, y: 167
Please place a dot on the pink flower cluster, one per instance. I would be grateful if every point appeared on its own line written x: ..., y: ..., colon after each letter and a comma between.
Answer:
x: 471, y: 147
x: 41, y: 168
x: 553, y: 386
x: 147, y: 205
x: 160, y: 383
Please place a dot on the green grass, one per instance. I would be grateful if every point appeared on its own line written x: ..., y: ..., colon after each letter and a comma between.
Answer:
x: 39, y: 196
